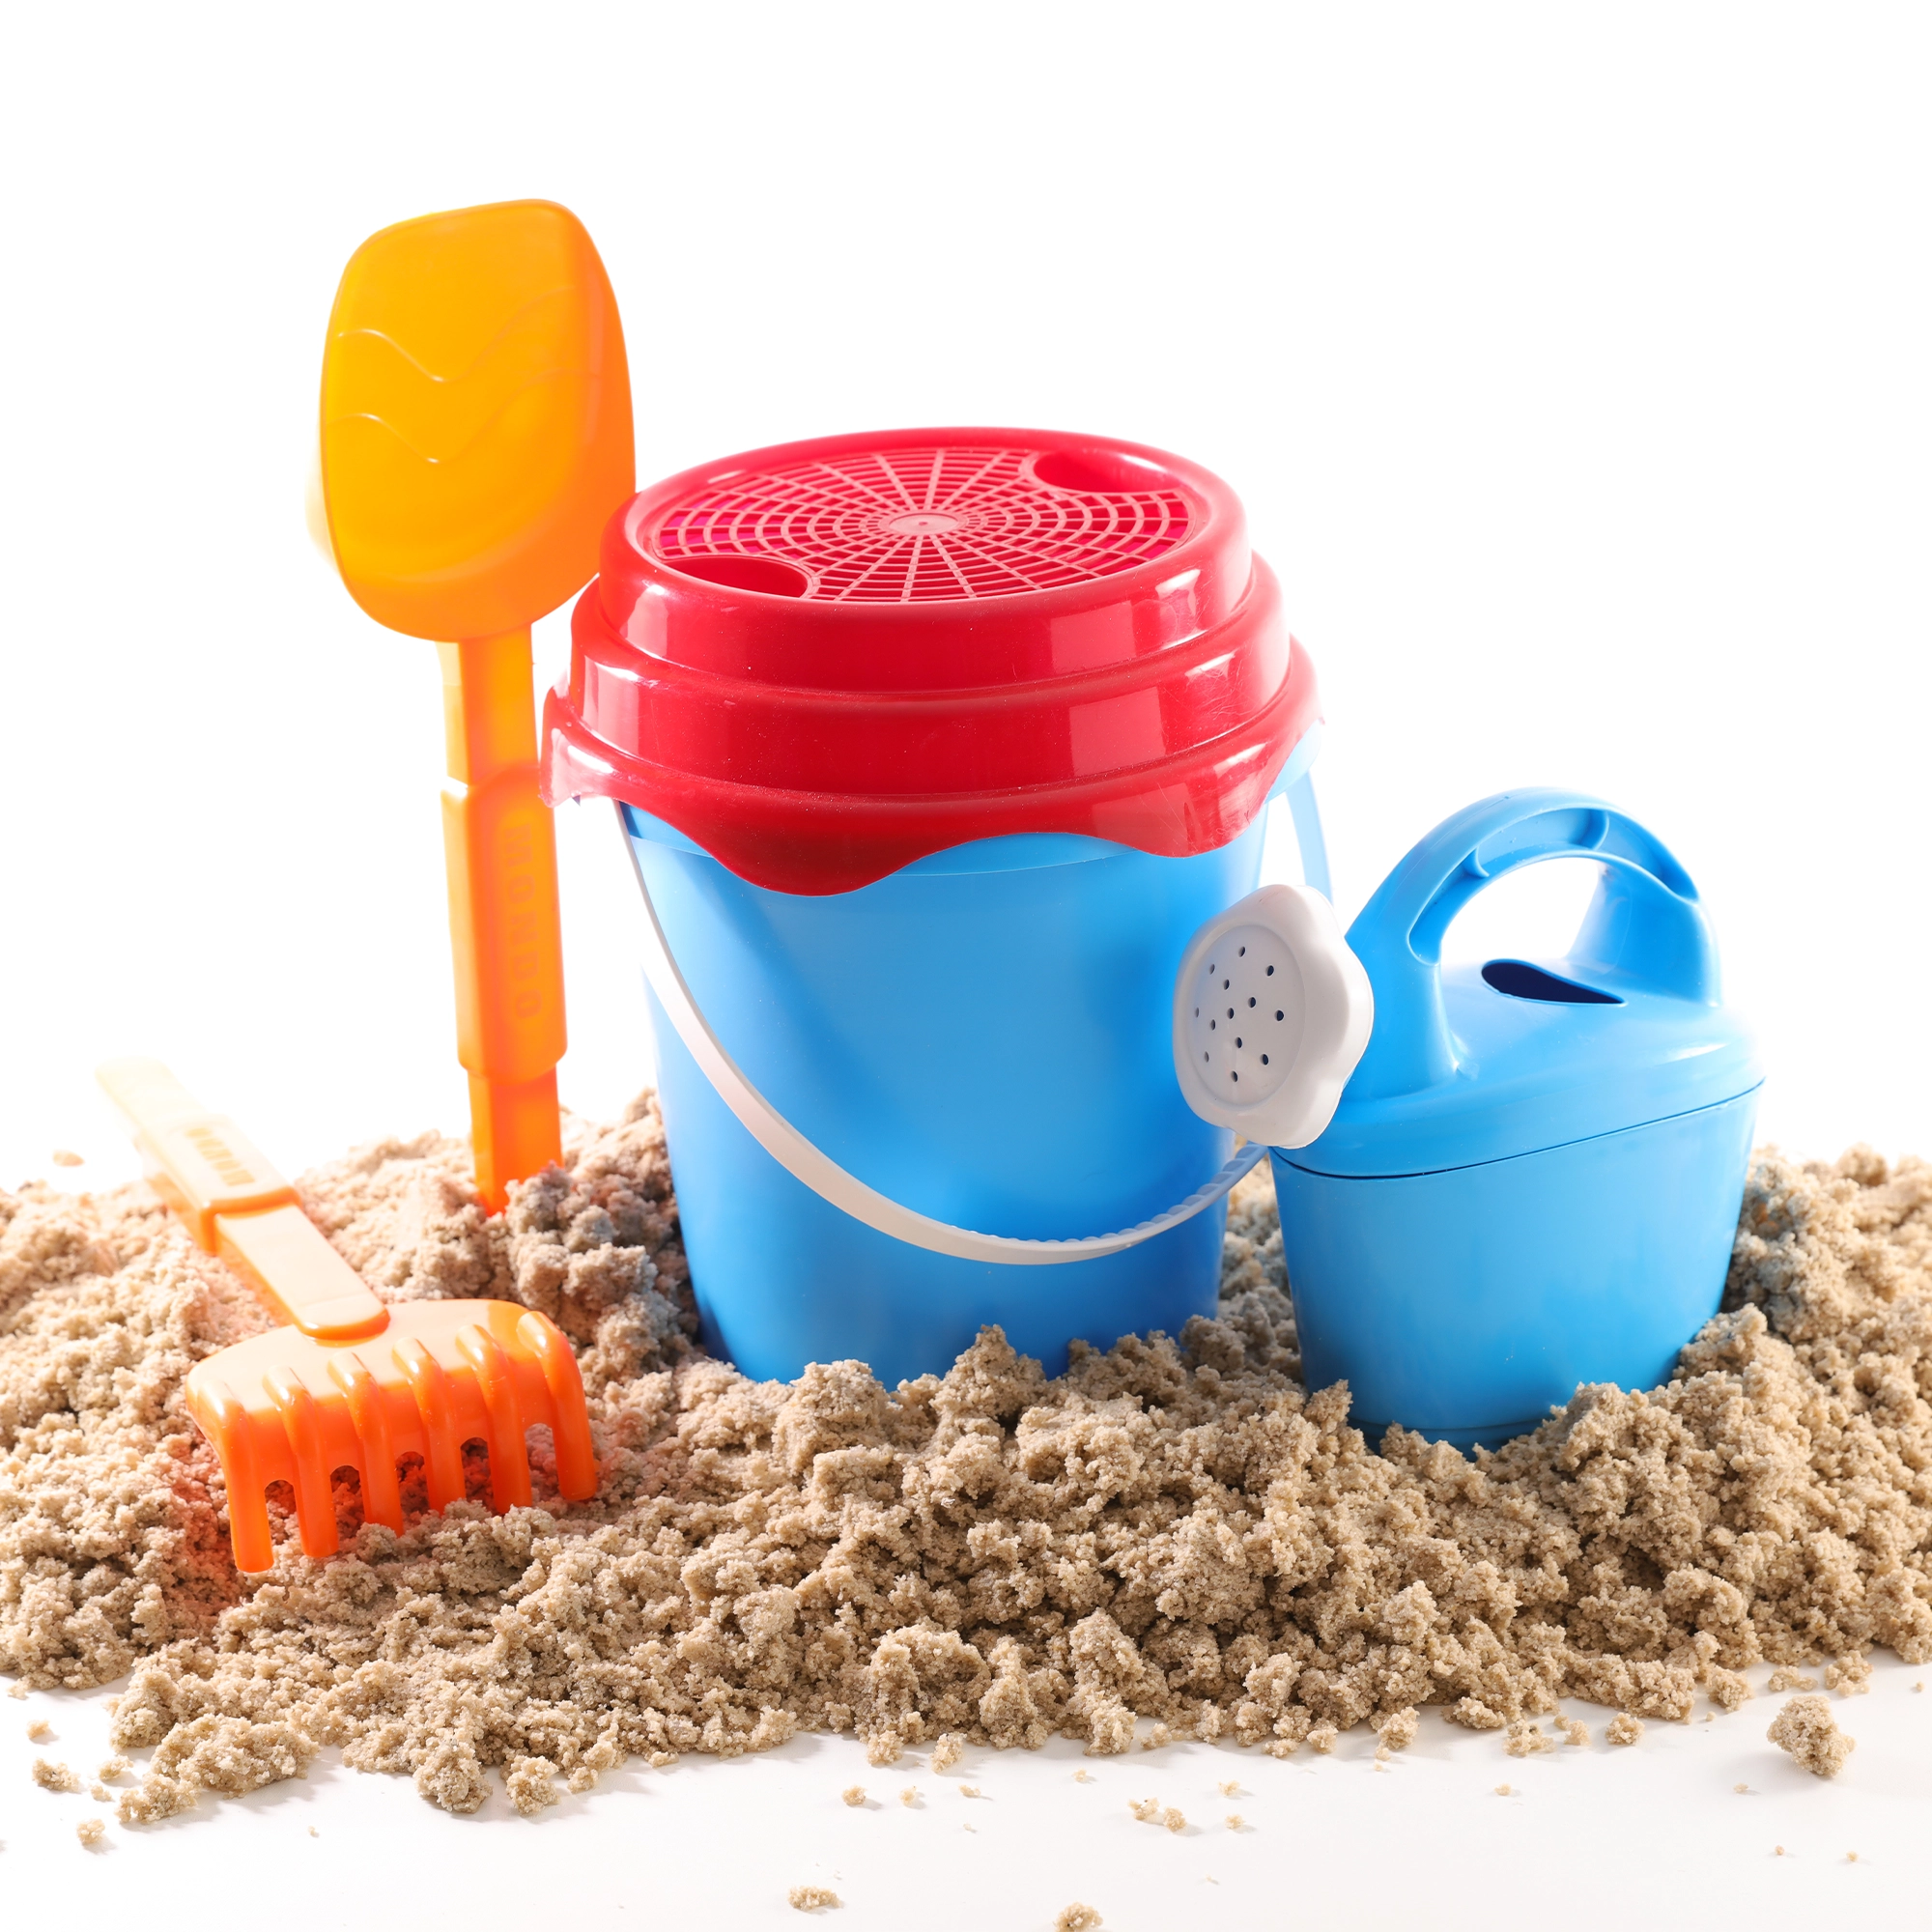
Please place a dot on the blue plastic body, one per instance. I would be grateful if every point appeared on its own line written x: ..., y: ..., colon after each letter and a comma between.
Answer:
x: 983, y: 1036
x: 1465, y: 1303
x: 1533, y: 1178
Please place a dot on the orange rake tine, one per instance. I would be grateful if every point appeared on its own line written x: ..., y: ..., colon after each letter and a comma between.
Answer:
x: 569, y: 1419
x: 382, y: 1493
x: 352, y: 1383
x: 430, y: 1389
x: 224, y: 1424
x: 509, y: 1470
x: 315, y: 1493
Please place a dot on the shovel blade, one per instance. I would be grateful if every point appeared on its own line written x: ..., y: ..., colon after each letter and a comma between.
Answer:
x: 475, y: 426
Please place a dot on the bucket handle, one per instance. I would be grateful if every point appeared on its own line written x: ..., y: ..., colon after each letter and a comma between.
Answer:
x: 808, y: 1163
x: 1645, y: 924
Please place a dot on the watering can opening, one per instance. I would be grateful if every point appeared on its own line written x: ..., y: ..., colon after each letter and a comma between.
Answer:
x: 1521, y: 979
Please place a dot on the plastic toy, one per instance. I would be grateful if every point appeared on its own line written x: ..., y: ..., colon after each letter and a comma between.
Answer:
x: 475, y: 434
x: 933, y: 748
x: 1533, y: 1178
x: 350, y: 1383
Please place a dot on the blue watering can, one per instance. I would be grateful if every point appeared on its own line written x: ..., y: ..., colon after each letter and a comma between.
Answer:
x: 1533, y: 1176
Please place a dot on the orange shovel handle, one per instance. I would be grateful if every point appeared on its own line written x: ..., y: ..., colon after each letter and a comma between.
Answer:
x: 501, y: 849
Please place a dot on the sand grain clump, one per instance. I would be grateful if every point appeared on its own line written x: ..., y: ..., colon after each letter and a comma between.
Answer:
x: 1527, y: 1739
x: 1174, y: 1531
x: 1807, y: 1730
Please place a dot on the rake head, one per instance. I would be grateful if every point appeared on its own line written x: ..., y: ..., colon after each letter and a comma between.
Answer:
x: 285, y: 1406
x: 349, y: 1383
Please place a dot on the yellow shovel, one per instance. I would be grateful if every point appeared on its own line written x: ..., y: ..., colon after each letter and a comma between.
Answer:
x: 475, y: 436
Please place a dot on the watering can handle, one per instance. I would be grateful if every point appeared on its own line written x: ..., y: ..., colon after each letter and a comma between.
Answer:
x: 1645, y: 924
x: 810, y: 1164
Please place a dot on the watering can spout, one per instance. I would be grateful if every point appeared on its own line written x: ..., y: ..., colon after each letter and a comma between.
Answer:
x: 1645, y: 926
x: 1653, y: 935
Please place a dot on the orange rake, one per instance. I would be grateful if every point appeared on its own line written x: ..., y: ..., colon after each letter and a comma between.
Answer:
x: 352, y: 1383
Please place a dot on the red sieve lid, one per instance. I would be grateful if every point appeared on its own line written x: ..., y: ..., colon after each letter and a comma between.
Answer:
x: 823, y: 661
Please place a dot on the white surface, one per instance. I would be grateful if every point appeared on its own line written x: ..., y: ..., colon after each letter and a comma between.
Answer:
x: 1594, y: 1840
x: 1571, y: 365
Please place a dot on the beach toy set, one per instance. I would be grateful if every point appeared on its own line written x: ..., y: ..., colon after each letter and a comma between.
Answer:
x: 944, y: 759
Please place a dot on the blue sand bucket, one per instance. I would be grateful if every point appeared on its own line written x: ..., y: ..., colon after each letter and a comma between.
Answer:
x: 933, y: 749
x: 982, y: 1035
x: 1534, y: 1175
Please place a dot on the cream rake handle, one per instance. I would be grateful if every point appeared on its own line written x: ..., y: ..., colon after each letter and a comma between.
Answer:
x: 228, y: 1195
x: 816, y: 1170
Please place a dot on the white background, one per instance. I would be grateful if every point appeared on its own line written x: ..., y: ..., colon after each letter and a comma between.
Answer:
x: 1572, y: 363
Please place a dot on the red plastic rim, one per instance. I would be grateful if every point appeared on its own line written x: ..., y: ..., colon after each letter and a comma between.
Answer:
x: 823, y: 661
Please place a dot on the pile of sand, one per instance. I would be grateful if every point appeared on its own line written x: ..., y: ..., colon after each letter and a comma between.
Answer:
x: 1175, y: 1530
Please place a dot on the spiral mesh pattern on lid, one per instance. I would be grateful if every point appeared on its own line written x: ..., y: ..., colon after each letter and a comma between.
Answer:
x: 916, y: 526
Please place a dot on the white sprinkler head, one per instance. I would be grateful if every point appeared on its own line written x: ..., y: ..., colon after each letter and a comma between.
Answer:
x: 1272, y: 1012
